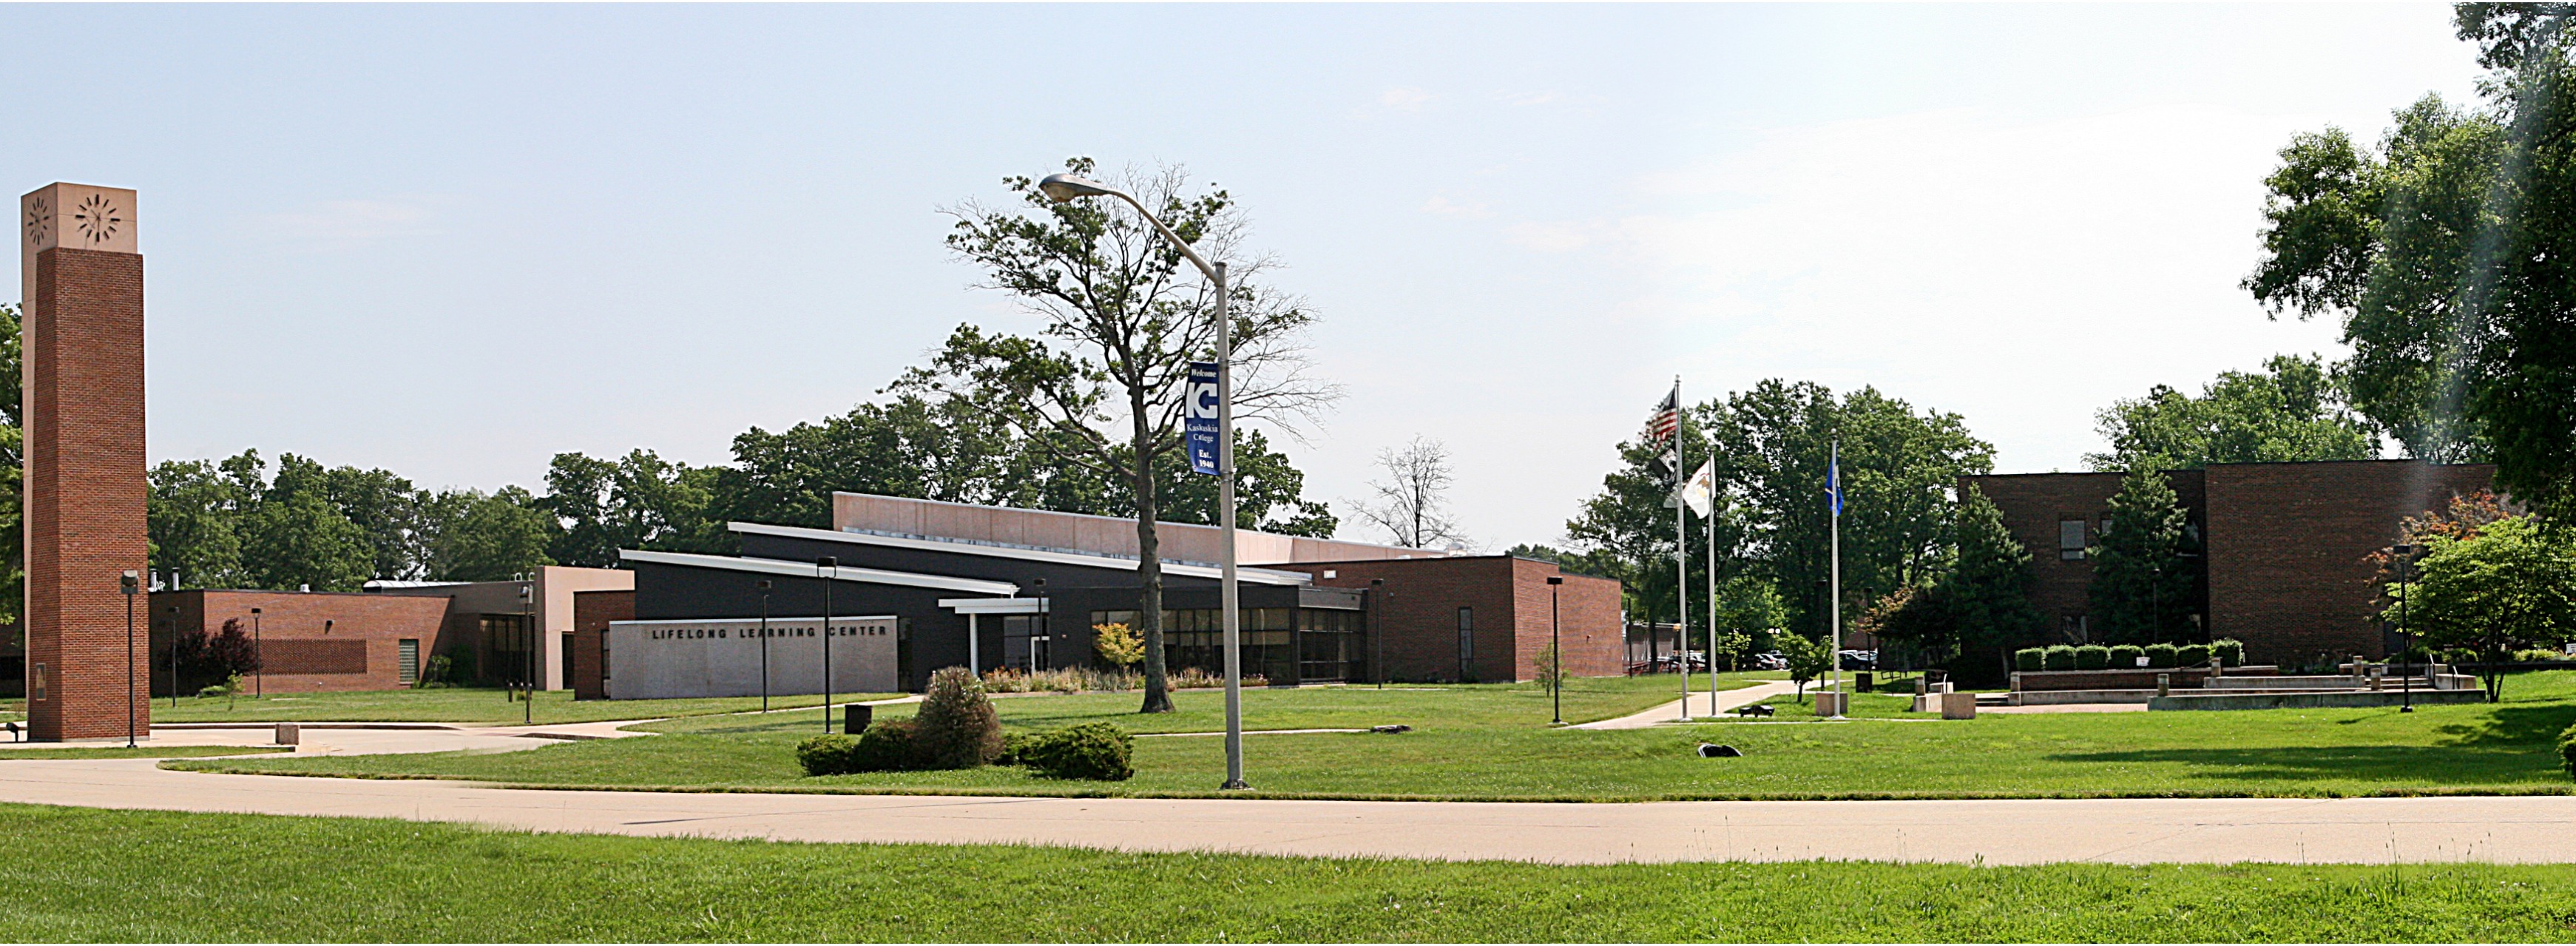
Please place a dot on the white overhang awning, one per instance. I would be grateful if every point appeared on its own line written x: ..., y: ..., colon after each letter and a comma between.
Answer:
x: 872, y: 576
x: 995, y: 605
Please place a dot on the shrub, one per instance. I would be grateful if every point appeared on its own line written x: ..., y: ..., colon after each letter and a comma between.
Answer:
x: 2092, y: 657
x: 2159, y: 655
x: 1094, y: 751
x: 826, y: 755
x: 2191, y: 655
x: 888, y: 746
x: 1117, y: 644
x: 2528, y: 656
x: 1012, y: 745
x: 2125, y: 656
x: 2567, y: 750
x: 956, y: 728
x: 2029, y: 658
x: 2230, y: 651
x: 2059, y: 657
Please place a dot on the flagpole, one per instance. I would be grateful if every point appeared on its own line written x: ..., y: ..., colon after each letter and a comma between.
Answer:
x: 1681, y: 551
x: 1835, y: 653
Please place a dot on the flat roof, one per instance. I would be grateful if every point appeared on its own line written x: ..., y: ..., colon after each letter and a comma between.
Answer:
x: 850, y: 573
x: 1258, y: 576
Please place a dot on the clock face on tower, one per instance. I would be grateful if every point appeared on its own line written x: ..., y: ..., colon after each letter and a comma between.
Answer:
x: 98, y: 219
x: 40, y: 222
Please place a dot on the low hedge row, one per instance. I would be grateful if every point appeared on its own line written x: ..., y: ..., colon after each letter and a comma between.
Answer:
x: 2125, y: 656
x: 1093, y: 751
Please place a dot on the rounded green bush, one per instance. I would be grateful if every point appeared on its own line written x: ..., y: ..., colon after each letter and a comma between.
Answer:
x: 2159, y: 655
x: 956, y: 728
x: 2092, y: 657
x: 2030, y: 658
x: 2059, y: 657
x: 2230, y: 651
x: 2125, y: 656
x: 2567, y: 750
x: 1094, y: 751
x: 890, y: 746
x: 2191, y: 655
x: 826, y: 754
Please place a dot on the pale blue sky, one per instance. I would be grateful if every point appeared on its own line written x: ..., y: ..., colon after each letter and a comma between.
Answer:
x: 452, y: 241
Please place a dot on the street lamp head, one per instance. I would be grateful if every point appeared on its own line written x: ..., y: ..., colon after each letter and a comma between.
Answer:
x: 1064, y: 187
x: 1556, y: 579
x: 2402, y: 549
x: 128, y: 581
x: 762, y: 584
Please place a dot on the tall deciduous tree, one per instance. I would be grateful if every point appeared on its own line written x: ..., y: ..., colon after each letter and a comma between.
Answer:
x: 487, y: 537
x: 2289, y: 412
x: 1121, y: 315
x: 1411, y: 505
x: 13, y: 546
x: 640, y: 501
x: 2445, y: 255
x: 2145, y: 574
x: 1976, y: 610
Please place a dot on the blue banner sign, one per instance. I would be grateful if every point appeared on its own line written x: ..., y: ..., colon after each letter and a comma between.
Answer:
x: 1198, y: 422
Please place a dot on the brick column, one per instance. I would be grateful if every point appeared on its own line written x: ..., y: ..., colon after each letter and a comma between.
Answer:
x: 82, y: 278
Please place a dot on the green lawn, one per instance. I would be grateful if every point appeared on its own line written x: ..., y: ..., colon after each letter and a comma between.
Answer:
x: 138, y: 752
x: 1462, y: 749
x: 94, y: 875
x: 459, y: 705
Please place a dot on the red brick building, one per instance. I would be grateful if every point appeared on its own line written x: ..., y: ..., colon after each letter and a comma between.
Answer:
x: 2284, y: 544
x: 1500, y: 606
x: 309, y: 641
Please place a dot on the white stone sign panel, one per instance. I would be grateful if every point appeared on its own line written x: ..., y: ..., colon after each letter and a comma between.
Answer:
x: 651, y: 660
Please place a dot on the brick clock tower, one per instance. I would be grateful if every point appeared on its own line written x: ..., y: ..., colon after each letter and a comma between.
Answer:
x: 81, y: 275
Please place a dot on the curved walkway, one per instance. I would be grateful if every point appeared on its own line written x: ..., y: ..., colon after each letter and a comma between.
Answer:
x: 1701, y: 705
x: 2525, y: 829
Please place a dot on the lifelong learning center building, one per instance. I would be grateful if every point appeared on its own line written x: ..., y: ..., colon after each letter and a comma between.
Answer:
x: 917, y: 585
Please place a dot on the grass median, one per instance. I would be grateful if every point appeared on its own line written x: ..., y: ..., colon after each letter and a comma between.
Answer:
x: 1463, y: 748
x: 97, y: 875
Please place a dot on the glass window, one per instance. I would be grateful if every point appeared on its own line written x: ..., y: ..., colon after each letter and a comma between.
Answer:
x: 1467, y: 644
x: 2070, y: 539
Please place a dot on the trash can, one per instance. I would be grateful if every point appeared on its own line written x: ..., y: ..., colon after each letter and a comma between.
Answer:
x: 855, y: 718
x: 289, y: 734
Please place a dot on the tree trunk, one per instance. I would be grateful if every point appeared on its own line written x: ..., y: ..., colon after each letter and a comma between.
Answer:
x: 1149, y: 566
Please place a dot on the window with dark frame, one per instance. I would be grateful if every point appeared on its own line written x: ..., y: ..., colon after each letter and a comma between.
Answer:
x: 1466, y: 643
x: 2070, y: 539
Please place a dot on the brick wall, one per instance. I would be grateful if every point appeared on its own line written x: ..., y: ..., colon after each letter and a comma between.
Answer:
x: 1416, y: 613
x: 2286, y: 547
x: 308, y: 642
x: 84, y: 517
x: 2284, y: 543
x: 591, y: 613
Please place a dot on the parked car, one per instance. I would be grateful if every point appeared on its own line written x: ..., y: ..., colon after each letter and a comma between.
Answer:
x: 1859, y: 659
x: 1770, y: 660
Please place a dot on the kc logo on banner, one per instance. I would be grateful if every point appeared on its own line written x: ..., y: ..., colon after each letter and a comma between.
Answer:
x: 1198, y: 424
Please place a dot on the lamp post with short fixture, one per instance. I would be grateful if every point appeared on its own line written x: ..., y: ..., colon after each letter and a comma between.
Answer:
x: 174, y: 652
x: 128, y: 583
x: 2405, y: 575
x: 832, y: 564
x: 763, y: 585
x: 528, y: 651
x: 1044, y: 630
x: 258, y: 659
x: 1556, y: 650
x: 1377, y: 636
x: 1063, y: 188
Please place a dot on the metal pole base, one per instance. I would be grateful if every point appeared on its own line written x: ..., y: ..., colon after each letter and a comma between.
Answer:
x: 1237, y: 785
x: 2405, y: 709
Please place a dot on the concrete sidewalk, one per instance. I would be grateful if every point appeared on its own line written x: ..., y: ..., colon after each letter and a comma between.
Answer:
x: 2526, y: 829
x: 1702, y: 705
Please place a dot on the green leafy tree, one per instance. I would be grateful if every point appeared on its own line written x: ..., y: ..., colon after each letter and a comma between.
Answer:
x: 291, y: 534
x: 193, y: 516
x: 2444, y: 254
x: 1808, y: 659
x: 488, y: 537
x: 916, y: 447
x: 640, y: 501
x: 2290, y: 412
x: 2145, y: 577
x: 386, y: 509
x: 1121, y: 316
x: 1986, y: 593
x: 13, y: 545
x: 2491, y: 589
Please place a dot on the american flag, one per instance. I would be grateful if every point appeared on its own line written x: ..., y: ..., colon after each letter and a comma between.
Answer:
x: 1666, y: 421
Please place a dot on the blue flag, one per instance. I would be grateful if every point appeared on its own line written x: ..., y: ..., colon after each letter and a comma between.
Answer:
x: 1199, y: 420
x: 1834, y: 478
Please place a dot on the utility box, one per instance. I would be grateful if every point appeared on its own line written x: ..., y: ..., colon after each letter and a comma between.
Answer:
x: 289, y: 734
x: 855, y: 717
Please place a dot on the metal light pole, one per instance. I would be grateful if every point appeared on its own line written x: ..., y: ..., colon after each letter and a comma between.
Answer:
x: 528, y: 652
x: 763, y: 585
x: 174, y: 650
x: 127, y: 583
x: 258, y: 658
x: 1065, y: 187
x: 833, y: 563
x: 2405, y: 575
x: 1043, y: 625
x: 1556, y: 649
x: 1377, y: 635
